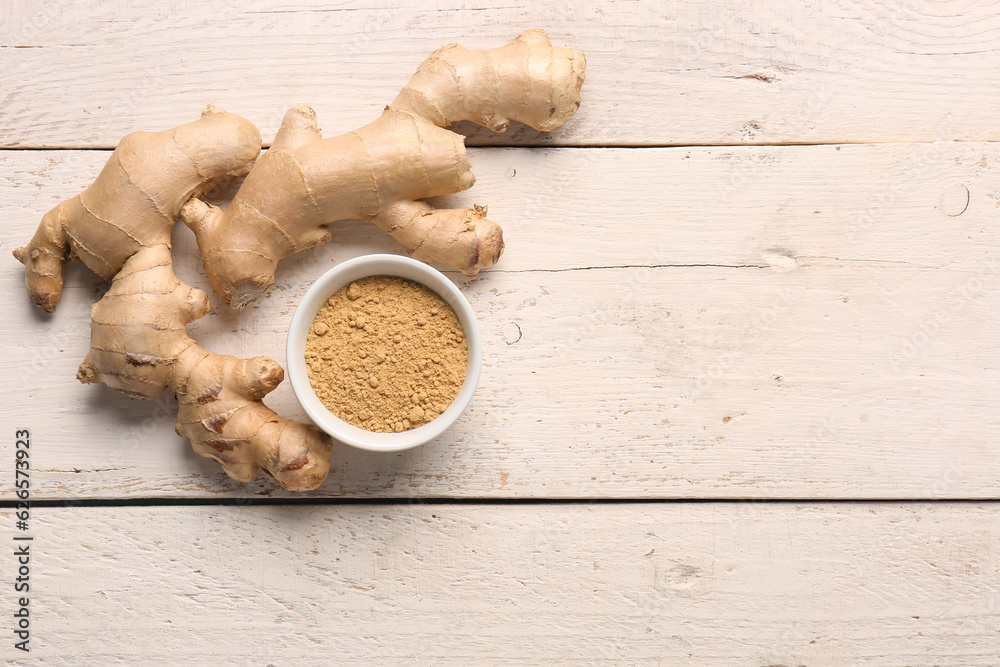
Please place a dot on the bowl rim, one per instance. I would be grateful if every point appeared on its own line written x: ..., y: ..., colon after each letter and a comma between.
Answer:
x: 305, y: 313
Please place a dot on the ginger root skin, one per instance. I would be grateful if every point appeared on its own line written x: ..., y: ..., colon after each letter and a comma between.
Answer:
x: 137, y: 330
x: 382, y: 171
x: 220, y: 412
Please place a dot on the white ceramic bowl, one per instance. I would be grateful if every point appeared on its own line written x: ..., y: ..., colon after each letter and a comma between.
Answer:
x: 317, y: 295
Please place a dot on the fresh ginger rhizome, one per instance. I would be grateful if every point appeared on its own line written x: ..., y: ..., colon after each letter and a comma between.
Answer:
x: 120, y: 228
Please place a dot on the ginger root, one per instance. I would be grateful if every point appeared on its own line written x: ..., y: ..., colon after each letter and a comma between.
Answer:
x: 136, y: 198
x: 120, y: 226
x: 380, y: 172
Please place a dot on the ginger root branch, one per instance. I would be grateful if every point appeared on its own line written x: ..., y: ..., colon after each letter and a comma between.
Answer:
x: 382, y: 171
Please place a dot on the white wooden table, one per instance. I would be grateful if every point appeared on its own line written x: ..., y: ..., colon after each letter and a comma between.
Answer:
x: 741, y: 396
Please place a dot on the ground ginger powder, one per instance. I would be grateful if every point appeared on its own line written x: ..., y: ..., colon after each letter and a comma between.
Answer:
x: 386, y: 354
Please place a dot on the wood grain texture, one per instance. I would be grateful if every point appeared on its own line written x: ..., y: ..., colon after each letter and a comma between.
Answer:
x: 83, y: 74
x: 694, y: 584
x: 797, y: 322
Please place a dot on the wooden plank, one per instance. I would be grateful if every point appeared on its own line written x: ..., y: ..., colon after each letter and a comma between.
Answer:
x: 714, y: 323
x: 83, y: 74
x: 702, y: 584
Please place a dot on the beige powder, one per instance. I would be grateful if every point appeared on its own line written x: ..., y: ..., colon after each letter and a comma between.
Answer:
x: 386, y: 354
